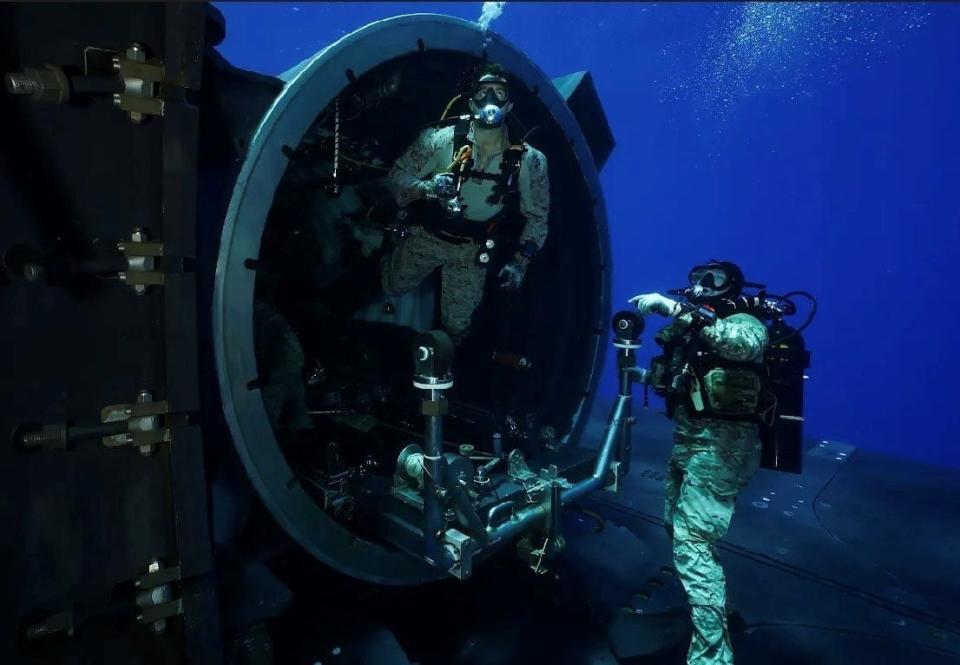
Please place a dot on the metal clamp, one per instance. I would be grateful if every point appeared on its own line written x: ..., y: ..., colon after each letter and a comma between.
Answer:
x: 141, y: 256
x: 155, y: 598
x: 460, y: 548
x: 140, y: 78
x: 142, y: 419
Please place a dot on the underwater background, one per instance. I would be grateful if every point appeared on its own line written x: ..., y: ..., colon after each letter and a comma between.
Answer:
x: 815, y: 144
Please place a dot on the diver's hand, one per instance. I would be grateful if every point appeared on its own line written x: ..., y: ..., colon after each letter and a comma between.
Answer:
x: 511, y: 275
x: 654, y: 302
x: 440, y: 186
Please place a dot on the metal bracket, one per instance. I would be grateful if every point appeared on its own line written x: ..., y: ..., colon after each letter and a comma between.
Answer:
x: 616, y: 470
x: 461, y: 549
x: 141, y: 256
x: 141, y: 78
x: 143, y: 423
x: 517, y: 467
x: 155, y: 596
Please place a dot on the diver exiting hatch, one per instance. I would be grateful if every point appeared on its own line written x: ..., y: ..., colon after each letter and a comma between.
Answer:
x: 726, y: 384
x: 460, y: 185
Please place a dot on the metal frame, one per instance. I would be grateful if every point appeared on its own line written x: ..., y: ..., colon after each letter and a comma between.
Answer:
x: 310, y: 87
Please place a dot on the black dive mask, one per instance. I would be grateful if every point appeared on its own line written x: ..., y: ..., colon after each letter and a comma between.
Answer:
x: 713, y: 283
x: 490, y: 106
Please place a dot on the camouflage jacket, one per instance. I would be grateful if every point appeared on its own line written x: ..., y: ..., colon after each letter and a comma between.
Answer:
x: 432, y: 153
x: 740, y: 338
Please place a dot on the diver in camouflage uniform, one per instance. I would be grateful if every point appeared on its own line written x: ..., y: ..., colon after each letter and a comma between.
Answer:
x: 464, y: 180
x: 710, y: 376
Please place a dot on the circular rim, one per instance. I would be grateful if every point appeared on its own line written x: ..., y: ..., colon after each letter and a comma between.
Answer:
x: 312, y: 86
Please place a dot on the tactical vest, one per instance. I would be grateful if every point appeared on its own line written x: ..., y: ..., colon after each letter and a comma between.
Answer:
x: 707, y: 385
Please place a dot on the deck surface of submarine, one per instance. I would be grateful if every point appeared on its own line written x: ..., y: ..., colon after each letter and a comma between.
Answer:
x: 151, y: 190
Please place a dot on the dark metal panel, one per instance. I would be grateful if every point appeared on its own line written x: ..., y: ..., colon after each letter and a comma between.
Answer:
x: 581, y: 96
x: 75, y: 179
x: 183, y: 51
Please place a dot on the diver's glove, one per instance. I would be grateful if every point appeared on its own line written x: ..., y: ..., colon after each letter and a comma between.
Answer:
x: 511, y: 275
x: 654, y: 302
x: 440, y: 186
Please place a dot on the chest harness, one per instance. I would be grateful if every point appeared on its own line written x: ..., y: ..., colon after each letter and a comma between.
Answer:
x: 453, y: 227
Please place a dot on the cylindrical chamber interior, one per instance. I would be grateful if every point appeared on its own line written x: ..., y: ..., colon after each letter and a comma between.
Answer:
x: 321, y: 316
x: 296, y: 294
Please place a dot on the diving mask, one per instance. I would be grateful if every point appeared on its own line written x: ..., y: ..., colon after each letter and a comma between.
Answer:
x: 490, y: 102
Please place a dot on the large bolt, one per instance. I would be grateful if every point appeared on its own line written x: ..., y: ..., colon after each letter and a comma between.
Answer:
x: 46, y: 436
x: 47, y: 84
x: 19, y: 83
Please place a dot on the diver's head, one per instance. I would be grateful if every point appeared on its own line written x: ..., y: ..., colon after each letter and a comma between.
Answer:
x: 714, y: 282
x: 490, y: 98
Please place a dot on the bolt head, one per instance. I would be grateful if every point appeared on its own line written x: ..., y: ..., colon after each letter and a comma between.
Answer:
x: 154, y: 566
x: 140, y: 289
x: 138, y: 235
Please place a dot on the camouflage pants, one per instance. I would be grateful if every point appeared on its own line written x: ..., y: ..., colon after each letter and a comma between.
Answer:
x: 707, y: 471
x: 462, y: 280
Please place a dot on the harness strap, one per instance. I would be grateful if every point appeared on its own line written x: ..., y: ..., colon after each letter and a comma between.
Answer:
x: 506, y: 182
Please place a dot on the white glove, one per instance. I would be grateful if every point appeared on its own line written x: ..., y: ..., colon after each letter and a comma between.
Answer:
x: 440, y: 186
x: 654, y: 302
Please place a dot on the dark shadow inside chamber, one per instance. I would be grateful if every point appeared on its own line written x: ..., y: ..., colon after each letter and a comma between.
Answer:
x: 333, y: 353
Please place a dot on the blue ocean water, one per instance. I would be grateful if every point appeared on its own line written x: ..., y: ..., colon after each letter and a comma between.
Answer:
x: 816, y: 144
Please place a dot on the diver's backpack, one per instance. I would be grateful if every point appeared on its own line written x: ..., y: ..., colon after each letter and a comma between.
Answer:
x: 781, y: 433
